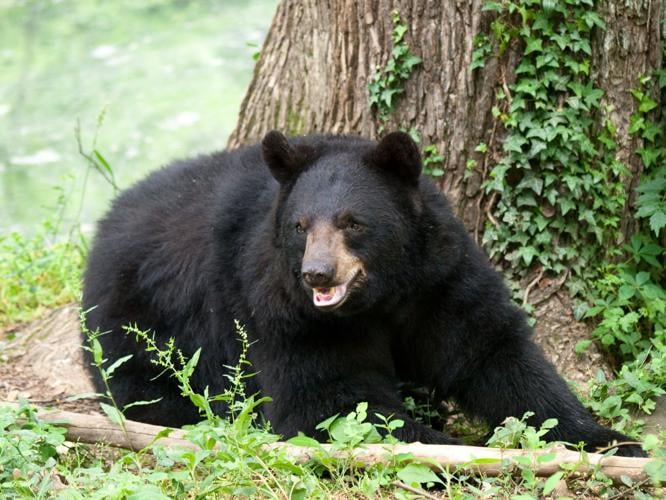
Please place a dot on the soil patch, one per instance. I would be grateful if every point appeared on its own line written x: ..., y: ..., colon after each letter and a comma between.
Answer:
x: 42, y: 362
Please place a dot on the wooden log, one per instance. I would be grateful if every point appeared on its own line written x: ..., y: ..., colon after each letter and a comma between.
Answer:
x: 93, y: 429
x: 489, y: 461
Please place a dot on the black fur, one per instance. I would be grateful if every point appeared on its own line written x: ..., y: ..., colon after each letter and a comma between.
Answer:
x: 212, y: 239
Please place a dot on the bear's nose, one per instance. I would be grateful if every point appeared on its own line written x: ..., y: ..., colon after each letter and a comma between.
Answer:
x: 318, y: 274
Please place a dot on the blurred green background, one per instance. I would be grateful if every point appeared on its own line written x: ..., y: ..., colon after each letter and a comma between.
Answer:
x: 170, y: 73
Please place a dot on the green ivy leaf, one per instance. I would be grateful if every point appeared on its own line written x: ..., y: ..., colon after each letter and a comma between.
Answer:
x: 533, y: 45
x: 566, y: 205
x: 492, y: 6
x: 514, y: 143
x: 636, y: 123
x: 532, y: 182
x: 528, y: 87
x: 592, y: 19
x: 651, y: 131
x: 647, y: 105
x: 592, y: 97
x: 526, y: 68
x: 527, y: 253
x: 649, y: 155
x: 399, y: 31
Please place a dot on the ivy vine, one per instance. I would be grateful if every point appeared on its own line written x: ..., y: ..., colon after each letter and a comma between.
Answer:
x: 558, y: 185
x: 630, y: 302
x: 388, y: 83
x: 560, y: 196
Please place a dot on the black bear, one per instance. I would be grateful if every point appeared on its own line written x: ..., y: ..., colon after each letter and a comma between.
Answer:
x: 350, y: 274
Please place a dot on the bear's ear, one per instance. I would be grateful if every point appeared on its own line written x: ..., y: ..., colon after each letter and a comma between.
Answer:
x: 284, y: 160
x: 398, y: 154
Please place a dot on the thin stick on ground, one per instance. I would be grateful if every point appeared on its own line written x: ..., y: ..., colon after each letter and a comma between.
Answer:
x: 416, y: 491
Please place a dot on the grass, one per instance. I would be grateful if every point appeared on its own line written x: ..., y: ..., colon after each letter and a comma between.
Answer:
x: 37, y: 273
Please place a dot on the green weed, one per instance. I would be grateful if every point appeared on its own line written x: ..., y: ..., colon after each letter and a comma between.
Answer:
x: 28, y: 453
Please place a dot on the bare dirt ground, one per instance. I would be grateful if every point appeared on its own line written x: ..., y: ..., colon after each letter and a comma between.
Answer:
x: 42, y: 361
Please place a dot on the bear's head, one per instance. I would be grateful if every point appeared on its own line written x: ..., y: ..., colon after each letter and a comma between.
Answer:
x: 346, y: 216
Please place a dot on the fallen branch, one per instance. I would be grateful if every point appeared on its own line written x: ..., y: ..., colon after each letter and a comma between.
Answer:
x: 489, y: 461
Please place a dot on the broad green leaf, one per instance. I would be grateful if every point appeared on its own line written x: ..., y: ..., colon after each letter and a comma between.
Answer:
x: 647, y: 105
x: 546, y: 457
x: 417, y: 474
x: 626, y: 292
x: 113, y: 413
x: 303, y: 440
x: 582, y: 345
x: 658, y: 221
x: 551, y: 482
x: 147, y: 492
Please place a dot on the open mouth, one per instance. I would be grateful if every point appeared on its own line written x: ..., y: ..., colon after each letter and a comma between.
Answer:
x: 332, y: 297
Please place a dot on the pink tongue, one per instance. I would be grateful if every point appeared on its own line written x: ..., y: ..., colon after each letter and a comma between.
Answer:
x: 328, y: 296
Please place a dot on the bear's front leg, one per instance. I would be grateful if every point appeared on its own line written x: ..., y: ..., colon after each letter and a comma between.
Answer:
x: 514, y: 377
x: 301, y: 400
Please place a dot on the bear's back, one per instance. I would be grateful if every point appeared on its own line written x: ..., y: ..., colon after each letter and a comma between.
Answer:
x: 155, y: 249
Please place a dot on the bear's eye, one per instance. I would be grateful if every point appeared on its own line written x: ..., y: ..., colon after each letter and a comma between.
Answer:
x: 299, y: 228
x: 353, y: 225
